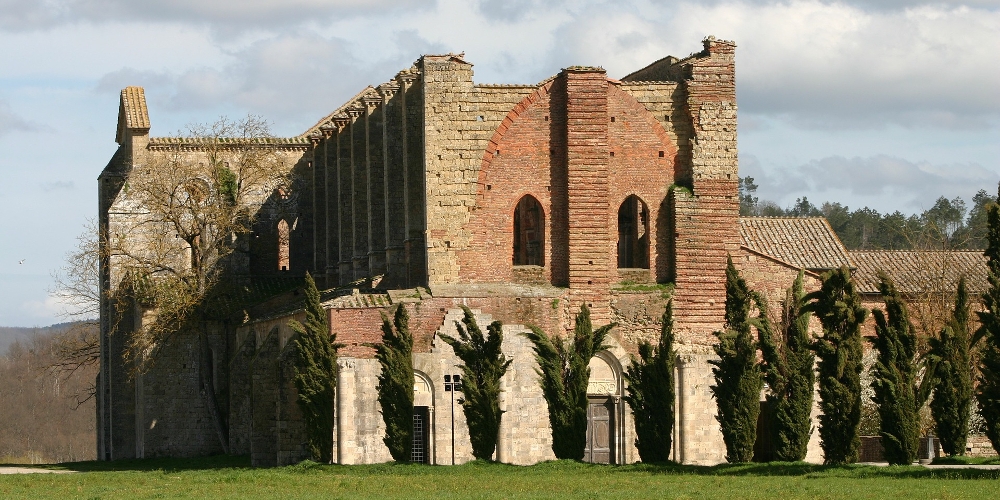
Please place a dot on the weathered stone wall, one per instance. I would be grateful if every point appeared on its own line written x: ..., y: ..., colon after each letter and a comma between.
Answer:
x: 173, y: 416
x: 697, y: 435
x: 705, y: 219
x: 359, y: 426
x: 525, y: 437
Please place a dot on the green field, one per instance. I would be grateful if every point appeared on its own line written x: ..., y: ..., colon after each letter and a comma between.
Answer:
x: 225, y: 477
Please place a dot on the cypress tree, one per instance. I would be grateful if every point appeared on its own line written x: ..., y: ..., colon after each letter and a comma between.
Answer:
x: 738, y: 379
x: 564, y: 374
x: 988, y: 391
x: 952, y: 402
x: 895, y: 377
x: 395, y: 384
x: 838, y: 307
x: 316, y: 373
x: 484, y: 365
x: 650, y: 392
x: 788, y: 369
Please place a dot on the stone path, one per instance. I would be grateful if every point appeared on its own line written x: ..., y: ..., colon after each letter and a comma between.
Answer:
x: 31, y: 470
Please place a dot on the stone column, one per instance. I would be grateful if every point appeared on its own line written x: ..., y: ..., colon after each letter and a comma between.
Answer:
x: 319, y: 203
x: 590, y: 264
x: 345, y: 200
x: 375, y: 166
x: 359, y: 183
x: 393, y: 144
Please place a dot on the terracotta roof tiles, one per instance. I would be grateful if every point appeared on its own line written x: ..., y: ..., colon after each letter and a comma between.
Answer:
x: 805, y: 242
x: 916, y: 272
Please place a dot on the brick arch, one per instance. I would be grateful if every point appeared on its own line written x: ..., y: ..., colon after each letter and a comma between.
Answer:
x: 540, y: 94
x: 637, y: 138
x: 523, y: 167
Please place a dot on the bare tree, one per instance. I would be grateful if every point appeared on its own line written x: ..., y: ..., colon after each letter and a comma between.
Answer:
x: 176, y: 241
x: 77, y: 287
x: 191, y: 202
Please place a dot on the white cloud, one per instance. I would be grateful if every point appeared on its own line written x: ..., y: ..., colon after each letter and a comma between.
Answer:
x: 228, y: 17
x: 12, y: 122
x: 817, y: 64
x: 882, y: 182
x: 48, y: 308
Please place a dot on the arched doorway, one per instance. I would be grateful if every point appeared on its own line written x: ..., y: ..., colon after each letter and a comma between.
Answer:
x: 423, y: 419
x: 604, y: 417
x: 633, y: 234
x: 529, y: 232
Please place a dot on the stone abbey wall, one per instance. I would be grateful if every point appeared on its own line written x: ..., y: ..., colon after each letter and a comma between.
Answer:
x: 408, y: 196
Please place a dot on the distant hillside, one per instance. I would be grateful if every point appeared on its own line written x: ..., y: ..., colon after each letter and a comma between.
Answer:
x: 8, y: 334
x: 48, y: 413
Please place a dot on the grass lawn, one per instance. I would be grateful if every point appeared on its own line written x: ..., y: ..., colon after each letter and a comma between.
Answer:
x: 959, y: 460
x: 227, y: 477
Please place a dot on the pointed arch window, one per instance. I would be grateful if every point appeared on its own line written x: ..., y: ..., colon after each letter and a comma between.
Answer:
x: 633, y: 234
x: 283, y: 244
x: 529, y: 232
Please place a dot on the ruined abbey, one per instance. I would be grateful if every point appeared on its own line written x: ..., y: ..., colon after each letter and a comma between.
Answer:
x: 432, y: 191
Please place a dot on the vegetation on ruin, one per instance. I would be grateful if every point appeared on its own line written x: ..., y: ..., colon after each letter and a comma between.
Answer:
x: 483, y: 365
x: 395, y: 384
x: 564, y: 372
x: 225, y: 477
x: 988, y: 391
x: 196, y: 214
x: 316, y: 373
x: 787, y: 363
x: 738, y: 378
x: 952, y: 375
x: 897, y: 392
x: 650, y: 392
x: 837, y: 305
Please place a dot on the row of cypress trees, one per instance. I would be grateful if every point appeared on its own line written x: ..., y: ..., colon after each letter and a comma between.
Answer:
x: 788, y: 354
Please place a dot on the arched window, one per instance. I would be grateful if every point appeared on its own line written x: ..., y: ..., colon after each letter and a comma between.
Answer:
x: 529, y: 233
x: 283, y: 241
x: 633, y: 234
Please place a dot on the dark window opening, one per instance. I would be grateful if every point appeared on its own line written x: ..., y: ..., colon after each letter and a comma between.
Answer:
x: 420, y: 451
x: 633, y: 234
x: 283, y: 243
x: 529, y: 233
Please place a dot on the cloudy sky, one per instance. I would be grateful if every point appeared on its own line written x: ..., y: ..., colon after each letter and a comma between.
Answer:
x: 886, y: 103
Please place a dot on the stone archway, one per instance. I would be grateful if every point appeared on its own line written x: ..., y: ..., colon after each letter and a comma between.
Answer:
x: 423, y: 419
x: 604, y: 410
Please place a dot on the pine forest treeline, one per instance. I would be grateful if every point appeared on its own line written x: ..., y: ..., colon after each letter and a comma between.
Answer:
x: 948, y: 224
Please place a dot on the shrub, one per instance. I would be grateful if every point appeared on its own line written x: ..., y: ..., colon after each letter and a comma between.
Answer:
x: 988, y: 391
x: 949, y: 355
x: 395, y: 384
x: 838, y: 307
x: 564, y: 373
x: 484, y: 366
x: 895, y: 377
x: 650, y: 392
x: 316, y: 374
x: 788, y: 367
x: 738, y: 380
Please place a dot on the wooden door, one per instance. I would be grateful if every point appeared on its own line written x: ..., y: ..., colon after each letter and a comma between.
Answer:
x: 600, y: 431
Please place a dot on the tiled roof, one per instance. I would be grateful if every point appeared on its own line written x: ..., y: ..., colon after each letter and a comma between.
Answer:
x: 805, y: 242
x: 916, y: 272
x: 134, y: 101
x: 132, y: 112
x: 197, y: 142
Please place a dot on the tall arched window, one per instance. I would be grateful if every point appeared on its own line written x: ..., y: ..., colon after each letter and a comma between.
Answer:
x: 633, y: 234
x: 529, y: 233
x: 283, y: 241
